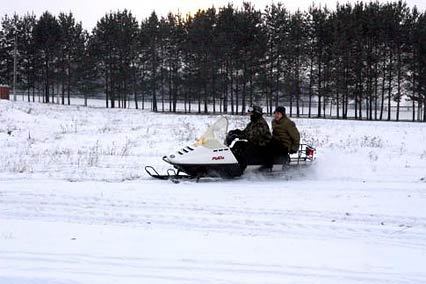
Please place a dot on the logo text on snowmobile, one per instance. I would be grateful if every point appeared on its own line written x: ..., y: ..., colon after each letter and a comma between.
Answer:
x: 217, y: 158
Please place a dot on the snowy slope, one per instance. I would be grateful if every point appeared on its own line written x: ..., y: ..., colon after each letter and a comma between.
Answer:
x: 77, y: 207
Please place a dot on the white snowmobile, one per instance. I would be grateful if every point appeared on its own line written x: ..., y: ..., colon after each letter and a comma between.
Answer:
x: 210, y: 157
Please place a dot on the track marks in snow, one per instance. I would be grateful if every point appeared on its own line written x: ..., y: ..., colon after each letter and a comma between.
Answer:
x: 191, y: 270
x: 231, y: 219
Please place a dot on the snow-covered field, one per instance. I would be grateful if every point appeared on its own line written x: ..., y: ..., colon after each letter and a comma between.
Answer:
x: 77, y: 207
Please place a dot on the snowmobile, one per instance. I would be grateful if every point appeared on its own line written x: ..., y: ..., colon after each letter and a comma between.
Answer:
x: 209, y: 157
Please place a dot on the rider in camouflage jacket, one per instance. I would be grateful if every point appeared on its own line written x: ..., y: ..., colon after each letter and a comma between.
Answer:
x: 257, y: 131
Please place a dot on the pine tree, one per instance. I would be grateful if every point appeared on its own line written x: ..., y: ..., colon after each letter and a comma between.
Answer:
x: 46, y: 35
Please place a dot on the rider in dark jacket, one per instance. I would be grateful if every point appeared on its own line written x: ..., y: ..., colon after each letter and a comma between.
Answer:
x: 257, y: 134
x: 257, y: 131
x: 285, y: 137
x: 284, y: 131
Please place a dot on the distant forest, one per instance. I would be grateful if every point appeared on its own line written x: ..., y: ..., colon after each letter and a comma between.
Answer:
x: 362, y: 59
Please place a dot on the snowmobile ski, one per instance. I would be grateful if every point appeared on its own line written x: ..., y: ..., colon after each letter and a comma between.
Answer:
x: 171, y: 174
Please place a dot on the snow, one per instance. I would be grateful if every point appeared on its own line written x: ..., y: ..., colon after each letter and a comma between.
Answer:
x: 77, y: 207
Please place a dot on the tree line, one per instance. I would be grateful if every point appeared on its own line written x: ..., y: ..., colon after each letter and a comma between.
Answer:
x: 362, y: 59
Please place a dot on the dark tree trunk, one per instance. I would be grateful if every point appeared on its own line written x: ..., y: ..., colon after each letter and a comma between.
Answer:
x: 213, y: 88
x: 337, y: 105
x: 170, y: 83
x: 135, y: 91
x: 356, y: 101
x: 199, y: 100
x: 346, y: 94
x: 244, y: 93
x: 232, y: 93
x: 390, y: 87
x: 106, y: 89
x: 424, y: 109
x: 319, y: 87
x: 225, y: 92
x: 277, y: 84
x: 310, y: 87
x: 382, y: 103
x: 62, y: 80
x: 46, y: 90
x: 69, y: 83
x: 376, y: 90
x: 206, y: 109
x: 297, y: 98
x: 236, y: 93
x: 398, y: 96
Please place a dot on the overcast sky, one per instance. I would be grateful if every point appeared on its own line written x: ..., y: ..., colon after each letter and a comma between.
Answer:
x: 90, y: 11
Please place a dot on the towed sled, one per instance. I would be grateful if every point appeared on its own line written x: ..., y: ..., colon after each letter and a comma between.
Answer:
x: 210, y: 157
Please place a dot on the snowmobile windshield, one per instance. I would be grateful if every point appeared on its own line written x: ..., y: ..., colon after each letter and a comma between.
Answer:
x: 214, y: 135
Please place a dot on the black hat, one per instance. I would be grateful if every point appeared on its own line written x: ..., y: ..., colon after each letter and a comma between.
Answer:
x: 280, y: 109
x: 255, y: 109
